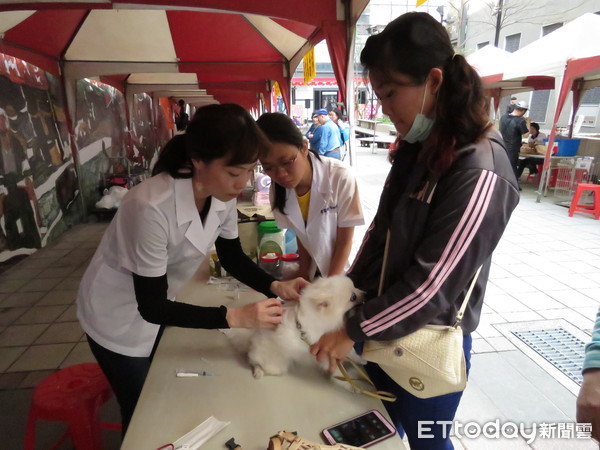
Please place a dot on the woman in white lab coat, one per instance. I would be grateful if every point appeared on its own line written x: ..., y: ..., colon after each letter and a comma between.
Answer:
x: 316, y: 197
x: 161, y: 234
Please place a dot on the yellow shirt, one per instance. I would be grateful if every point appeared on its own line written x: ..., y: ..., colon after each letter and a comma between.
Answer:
x: 304, y: 202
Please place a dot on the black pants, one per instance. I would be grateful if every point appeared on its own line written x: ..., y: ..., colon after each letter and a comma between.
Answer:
x: 513, y: 157
x: 126, y: 375
x: 530, y: 163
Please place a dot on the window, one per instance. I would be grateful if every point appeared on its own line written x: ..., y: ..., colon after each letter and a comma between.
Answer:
x: 511, y: 43
x: 550, y: 28
x: 539, y: 106
x: 482, y: 44
x: 591, y: 97
x: 325, y: 99
x: 362, y: 96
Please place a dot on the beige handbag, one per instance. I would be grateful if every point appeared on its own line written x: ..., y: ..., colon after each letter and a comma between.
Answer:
x: 428, y: 362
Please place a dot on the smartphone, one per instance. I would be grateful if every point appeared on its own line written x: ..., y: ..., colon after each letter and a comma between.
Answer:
x: 361, y: 431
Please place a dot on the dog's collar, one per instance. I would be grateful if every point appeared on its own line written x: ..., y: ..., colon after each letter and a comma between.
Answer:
x: 303, y: 334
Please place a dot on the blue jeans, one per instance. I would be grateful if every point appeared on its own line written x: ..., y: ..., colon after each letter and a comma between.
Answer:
x: 334, y: 154
x: 408, y: 410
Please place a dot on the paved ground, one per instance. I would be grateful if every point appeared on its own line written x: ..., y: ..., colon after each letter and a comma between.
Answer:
x: 545, y: 276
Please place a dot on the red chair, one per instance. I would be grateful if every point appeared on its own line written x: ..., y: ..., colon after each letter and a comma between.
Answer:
x: 72, y: 395
x: 592, y: 209
x: 536, y: 176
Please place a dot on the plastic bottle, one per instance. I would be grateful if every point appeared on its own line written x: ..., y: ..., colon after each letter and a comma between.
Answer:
x: 291, y: 245
x: 270, y: 263
x: 270, y: 238
x: 290, y: 263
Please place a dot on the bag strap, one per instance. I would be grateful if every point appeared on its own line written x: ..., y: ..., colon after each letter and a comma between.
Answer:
x: 380, y: 395
x: 463, y: 306
x: 461, y: 311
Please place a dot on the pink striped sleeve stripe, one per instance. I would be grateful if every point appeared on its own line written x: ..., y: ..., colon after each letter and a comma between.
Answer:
x: 443, y: 257
x: 451, y: 255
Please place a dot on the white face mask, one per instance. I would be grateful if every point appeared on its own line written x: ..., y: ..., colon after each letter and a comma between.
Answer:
x: 421, y: 127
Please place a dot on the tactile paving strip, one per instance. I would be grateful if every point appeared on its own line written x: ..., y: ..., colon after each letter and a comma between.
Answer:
x: 559, y: 347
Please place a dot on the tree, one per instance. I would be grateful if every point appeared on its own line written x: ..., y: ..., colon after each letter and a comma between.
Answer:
x: 499, y: 14
x: 456, y: 23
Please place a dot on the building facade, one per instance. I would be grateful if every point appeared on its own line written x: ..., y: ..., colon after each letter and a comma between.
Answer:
x: 519, y: 24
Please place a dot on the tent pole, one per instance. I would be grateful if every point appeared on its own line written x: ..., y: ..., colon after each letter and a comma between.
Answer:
x: 350, y: 88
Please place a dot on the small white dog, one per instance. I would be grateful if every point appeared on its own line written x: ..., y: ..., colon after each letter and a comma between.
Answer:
x: 320, y: 310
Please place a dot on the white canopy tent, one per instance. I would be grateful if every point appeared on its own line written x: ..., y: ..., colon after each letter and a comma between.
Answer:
x: 570, y: 56
x: 489, y: 61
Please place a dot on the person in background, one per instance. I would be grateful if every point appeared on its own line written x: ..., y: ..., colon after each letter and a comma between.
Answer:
x: 513, y: 126
x: 313, y: 126
x: 182, y: 120
x: 162, y: 232
x: 444, y: 207
x: 512, y: 105
x: 326, y: 139
x: 588, y: 400
x: 535, y: 146
x: 337, y: 117
x: 316, y: 197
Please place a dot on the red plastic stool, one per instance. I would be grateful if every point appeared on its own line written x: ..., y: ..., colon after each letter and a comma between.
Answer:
x: 536, y: 176
x: 593, y: 209
x: 72, y: 395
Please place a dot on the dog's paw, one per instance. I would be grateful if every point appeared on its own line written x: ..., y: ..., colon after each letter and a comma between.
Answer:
x: 257, y: 372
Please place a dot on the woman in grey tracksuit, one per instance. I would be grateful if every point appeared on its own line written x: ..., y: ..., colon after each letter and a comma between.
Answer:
x: 446, y: 202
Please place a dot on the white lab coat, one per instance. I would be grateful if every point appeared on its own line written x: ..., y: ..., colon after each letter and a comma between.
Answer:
x: 334, y: 202
x: 157, y: 230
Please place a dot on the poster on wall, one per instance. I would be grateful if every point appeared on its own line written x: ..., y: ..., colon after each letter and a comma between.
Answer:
x: 34, y: 158
x: 142, y: 132
x: 101, y: 138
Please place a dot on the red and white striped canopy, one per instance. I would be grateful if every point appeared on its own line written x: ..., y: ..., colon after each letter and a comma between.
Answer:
x: 194, y: 49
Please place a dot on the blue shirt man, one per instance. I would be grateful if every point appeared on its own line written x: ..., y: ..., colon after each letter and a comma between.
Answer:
x: 326, y: 139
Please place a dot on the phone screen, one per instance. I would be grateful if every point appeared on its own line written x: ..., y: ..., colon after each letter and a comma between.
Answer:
x: 360, y: 431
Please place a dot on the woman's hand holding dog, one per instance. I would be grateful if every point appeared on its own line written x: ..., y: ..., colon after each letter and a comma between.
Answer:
x: 263, y: 314
x: 290, y: 289
x: 332, y: 347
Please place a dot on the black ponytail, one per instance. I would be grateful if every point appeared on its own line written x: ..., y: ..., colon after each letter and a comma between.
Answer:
x: 215, y: 131
x: 173, y: 159
x: 461, y: 92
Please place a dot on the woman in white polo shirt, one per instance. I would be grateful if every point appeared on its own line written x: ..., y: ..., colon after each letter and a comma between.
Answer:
x: 316, y: 197
x: 160, y: 235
